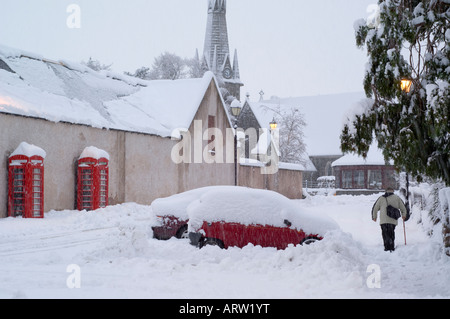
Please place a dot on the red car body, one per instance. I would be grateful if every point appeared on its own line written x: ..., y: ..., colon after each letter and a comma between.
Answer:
x: 171, y: 226
x: 225, y: 234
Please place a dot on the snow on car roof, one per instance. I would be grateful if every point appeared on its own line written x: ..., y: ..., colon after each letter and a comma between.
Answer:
x: 176, y: 205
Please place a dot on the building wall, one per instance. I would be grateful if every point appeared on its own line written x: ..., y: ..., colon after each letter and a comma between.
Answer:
x: 285, y: 182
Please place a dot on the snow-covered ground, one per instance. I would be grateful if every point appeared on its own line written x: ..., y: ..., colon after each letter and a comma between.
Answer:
x: 110, y: 253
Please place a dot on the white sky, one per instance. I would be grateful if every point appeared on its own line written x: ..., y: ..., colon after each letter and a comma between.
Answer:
x: 285, y: 47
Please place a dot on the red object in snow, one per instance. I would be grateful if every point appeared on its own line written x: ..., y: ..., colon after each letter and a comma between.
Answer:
x: 226, y: 234
x: 26, y: 186
x: 92, y: 185
x: 171, y: 226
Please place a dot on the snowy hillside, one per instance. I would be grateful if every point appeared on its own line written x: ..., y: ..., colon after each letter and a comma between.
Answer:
x: 117, y: 257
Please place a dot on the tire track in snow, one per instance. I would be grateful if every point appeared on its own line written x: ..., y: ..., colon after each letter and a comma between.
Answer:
x: 49, y: 242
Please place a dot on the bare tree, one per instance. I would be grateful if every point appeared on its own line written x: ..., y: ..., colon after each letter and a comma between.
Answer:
x: 96, y: 65
x: 290, y: 123
x: 141, y: 73
x: 194, y: 68
x: 168, y: 66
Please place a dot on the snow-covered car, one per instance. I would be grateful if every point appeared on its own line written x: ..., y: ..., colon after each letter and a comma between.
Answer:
x: 237, y: 216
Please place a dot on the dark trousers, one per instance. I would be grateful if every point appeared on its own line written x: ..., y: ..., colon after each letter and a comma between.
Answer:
x: 388, y: 233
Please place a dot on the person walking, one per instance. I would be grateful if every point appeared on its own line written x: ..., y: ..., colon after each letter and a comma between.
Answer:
x: 387, y: 223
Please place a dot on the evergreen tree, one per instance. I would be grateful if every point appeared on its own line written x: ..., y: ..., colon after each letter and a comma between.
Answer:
x: 408, y: 39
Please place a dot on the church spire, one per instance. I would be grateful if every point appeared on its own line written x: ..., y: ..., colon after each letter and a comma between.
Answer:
x: 216, y: 50
x: 217, y: 6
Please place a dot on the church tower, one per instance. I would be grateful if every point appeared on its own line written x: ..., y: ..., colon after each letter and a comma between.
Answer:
x: 216, y: 52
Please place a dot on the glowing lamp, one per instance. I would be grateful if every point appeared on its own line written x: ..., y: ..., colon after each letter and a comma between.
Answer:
x: 236, y: 108
x: 405, y: 85
x: 273, y: 125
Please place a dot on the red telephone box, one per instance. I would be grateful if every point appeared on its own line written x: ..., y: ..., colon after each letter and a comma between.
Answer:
x: 26, y: 182
x: 93, y: 177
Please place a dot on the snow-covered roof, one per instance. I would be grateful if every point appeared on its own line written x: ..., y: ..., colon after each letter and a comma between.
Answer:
x: 308, y: 166
x: 323, y: 114
x: 69, y: 92
x: 374, y: 157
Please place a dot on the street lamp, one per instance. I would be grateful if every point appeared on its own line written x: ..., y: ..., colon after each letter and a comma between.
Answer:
x: 273, y: 125
x: 405, y: 85
x: 236, y: 109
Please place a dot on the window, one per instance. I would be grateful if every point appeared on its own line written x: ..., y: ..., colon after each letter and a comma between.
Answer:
x: 37, y: 191
x: 347, y: 179
x: 375, y: 179
x: 87, y: 188
x: 359, y: 179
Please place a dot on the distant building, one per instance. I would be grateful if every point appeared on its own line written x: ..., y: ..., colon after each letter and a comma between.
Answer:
x: 324, y: 115
x: 356, y: 175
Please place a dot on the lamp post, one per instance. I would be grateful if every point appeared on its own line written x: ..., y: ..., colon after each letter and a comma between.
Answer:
x: 236, y: 109
x: 405, y: 85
